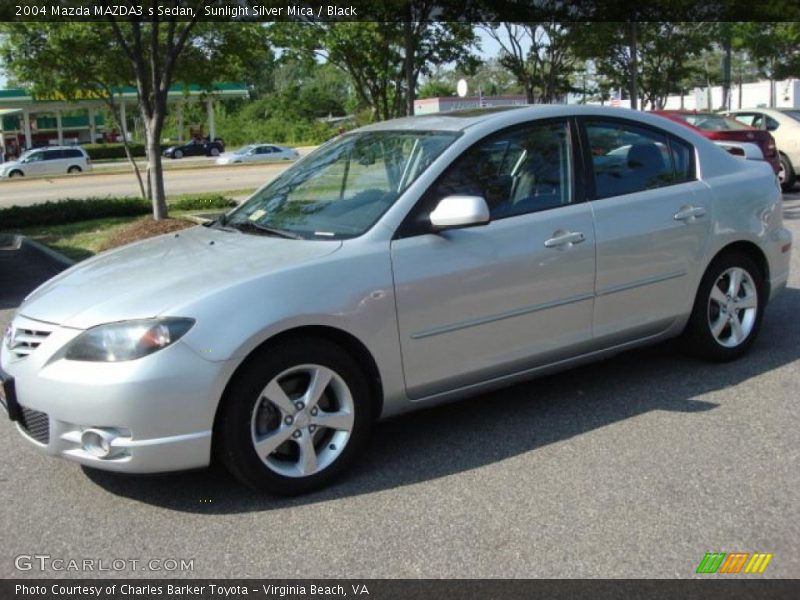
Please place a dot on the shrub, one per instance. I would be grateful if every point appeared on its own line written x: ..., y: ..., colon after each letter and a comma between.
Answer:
x: 108, y: 151
x: 71, y: 211
x: 201, y: 202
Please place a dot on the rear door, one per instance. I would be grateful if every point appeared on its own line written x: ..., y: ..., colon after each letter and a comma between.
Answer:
x: 652, y: 222
x: 491, y: 300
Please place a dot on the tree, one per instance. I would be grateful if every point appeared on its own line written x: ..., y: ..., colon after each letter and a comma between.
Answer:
x: 775, y: 47
x: 383, y: 59
x: 649, y: 60
x: 539, y: 55
x: 68, y: 57
x: 42, y: 55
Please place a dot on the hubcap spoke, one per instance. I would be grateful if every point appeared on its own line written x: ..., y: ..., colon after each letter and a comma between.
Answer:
x: 717, y: 326
x: 736, y: 329
x: 267, y: 445
x: 718, y: 296
x: 275, y: 394
x: 749, y: 301
x: 340, y: 420
x: 320, y: 378
x: 307, y: 462
x: 734, y: 283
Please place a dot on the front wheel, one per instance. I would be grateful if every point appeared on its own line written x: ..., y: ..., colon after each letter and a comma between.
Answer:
x: 728, y: 309
x: 177, y: 154
x: 294, y: 418
x: 214, y: 152
x: 16, y: 174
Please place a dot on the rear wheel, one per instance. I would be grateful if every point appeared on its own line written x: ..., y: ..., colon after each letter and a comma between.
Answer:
x: 294, y: 418
x: 786, y: 174
x: 74, y: 169
x: 728, y: 309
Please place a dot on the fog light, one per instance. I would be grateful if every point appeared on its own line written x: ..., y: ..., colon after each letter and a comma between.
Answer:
x: 97, y: 442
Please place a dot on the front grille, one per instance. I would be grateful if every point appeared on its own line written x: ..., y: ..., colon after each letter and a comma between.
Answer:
x: 25, y: 338
x: 36, y: 424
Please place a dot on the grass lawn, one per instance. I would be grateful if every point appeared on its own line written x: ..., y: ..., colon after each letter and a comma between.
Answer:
x: 86, y: 238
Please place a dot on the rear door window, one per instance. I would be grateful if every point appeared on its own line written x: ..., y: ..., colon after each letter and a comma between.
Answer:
x: 627, y: 158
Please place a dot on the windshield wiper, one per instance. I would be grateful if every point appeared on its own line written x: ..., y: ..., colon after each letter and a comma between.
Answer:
x: 258, y: 228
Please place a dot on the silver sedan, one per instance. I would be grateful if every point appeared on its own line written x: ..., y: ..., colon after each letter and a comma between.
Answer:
x: 402, y: 265
x: 258, y: 153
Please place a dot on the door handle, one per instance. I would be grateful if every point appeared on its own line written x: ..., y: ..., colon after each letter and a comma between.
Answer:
x: 689, y: 213
x: 564, y: 238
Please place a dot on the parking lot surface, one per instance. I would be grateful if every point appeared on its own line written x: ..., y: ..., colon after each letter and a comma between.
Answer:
x: 632, y: 467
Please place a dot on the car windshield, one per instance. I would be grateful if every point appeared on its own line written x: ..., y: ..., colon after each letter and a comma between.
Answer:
x: 343, y: 188
x: 710, y: 122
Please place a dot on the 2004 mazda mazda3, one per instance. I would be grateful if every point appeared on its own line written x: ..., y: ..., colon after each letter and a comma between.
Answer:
x: 407, y: 263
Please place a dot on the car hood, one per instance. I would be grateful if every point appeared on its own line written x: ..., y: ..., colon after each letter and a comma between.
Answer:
x: 8, y: 164
x: 149, y: 278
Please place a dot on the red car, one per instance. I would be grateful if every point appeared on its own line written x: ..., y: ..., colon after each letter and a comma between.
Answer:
x: 720, y: 128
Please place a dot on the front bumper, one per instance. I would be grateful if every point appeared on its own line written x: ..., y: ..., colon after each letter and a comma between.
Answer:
x: 158, y: 411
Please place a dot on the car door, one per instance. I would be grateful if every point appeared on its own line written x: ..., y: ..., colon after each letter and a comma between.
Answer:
x: 35, y: 164
x: 652, y: 222
x: 491, y: 300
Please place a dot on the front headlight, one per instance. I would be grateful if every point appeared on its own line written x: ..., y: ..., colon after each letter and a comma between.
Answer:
x: 126, y: 340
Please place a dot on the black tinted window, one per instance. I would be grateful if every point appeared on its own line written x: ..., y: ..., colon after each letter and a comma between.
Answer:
x: 73, y: 153
x: 682, y: 159
x: 627, y: 158
x: 53, y: 154
x: 518, y: 171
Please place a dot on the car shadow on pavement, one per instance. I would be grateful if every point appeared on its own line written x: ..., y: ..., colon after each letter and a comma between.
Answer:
x: 490, y: 428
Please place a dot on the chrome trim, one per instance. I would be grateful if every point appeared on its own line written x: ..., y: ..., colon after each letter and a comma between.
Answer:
x: 517, y: 312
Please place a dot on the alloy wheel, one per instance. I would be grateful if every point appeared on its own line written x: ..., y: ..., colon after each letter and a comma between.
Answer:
x: 732, y: 307
x: 302, y: 420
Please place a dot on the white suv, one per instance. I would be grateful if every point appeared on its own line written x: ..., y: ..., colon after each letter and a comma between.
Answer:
x: 52, y: 160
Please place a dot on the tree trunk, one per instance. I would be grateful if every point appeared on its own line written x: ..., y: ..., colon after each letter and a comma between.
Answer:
x: 155, y: 174
x: 410, y: 52
x: 726, y: 74
x: 634, y: 81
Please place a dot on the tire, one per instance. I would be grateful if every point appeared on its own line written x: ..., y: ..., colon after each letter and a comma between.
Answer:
x: 177, y: 154
x: 214, y: 152
x: 16, y: 174
x: 786, y: 175
x: 270, y: 402
x: 720, y: 327
x: 74, y: 169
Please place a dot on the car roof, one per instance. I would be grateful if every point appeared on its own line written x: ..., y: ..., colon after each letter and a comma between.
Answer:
x: 462, y: 120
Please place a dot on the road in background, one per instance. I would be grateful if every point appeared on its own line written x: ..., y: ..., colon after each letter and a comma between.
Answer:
x: 632, y: 467
x: 195, y: 175
x: 210, y: 178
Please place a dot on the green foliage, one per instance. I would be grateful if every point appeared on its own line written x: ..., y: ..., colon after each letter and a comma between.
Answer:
x: 201, y: 202
x: 109, y: 151
x: 72, y: 211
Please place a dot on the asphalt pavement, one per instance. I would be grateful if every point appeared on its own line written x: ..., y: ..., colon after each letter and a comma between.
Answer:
x: 632, y: 467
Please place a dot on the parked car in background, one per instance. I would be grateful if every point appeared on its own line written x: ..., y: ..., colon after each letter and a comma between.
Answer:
x: 401, y: 265
x: 258, y: 153
x: 725, y: 129
x: 50, y: 160
x: 196, y: 148
x: 784, y: 126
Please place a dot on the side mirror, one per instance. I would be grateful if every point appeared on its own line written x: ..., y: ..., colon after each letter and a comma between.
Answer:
x: 459, y: 211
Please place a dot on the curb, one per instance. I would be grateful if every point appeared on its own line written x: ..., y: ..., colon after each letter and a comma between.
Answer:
x: 56, y: 257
